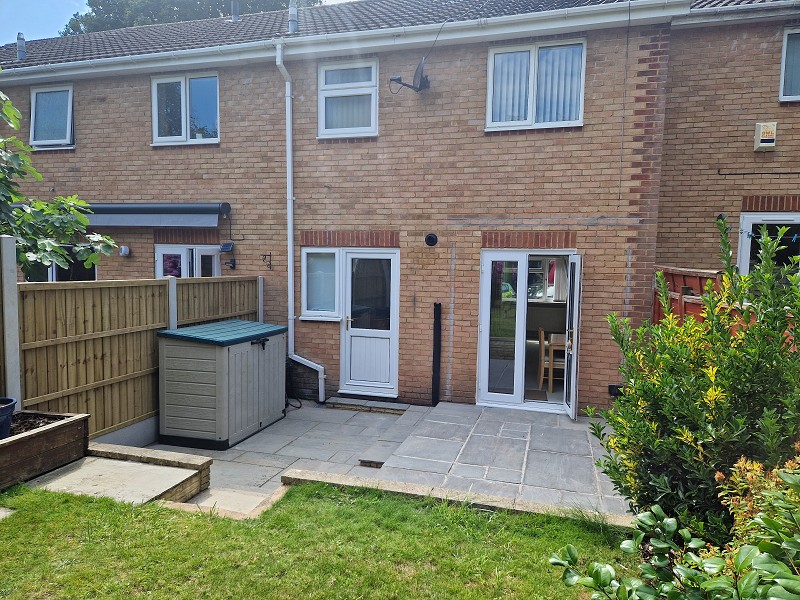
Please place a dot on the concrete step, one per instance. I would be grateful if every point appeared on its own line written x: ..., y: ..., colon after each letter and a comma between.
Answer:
x: 377, y: 454
x: 384, y: 406
x: 233, y: 503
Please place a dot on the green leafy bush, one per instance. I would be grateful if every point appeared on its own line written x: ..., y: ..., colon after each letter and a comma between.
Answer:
x: 699, y: 395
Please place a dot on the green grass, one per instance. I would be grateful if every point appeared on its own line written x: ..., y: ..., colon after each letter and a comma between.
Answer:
x: 318, y: 542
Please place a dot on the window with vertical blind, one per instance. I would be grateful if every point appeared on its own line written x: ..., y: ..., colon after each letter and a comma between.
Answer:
x: 539, y: 85
x: 790, y: 66
x: 348, y: 99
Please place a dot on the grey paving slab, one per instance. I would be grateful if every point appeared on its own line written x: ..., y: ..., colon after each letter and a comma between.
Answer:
x: 419, y: 409
x: 336, y: 429
x: 418, y: 464
x: 345, y: 457
x: 236, y: 500
x: 264, y: 460
x: 515, y: 434
x: 565, y: 441
x: 419, y: 447
x: 442, y: 431
x: 408, y: 476
x: 468, y: 471
x: 380, y: 451
x: 396, y: 433
x: 215, y: 454
x: 493, y: 452
x: 457, y: 418
x: 504, y: 475
x: 487, y: 428
x: 454, y: 408
x: 266, y: 442
x: 300, y: 450
x: 230, y: 474
x: 461, y: 484
x: 124, y: 481
x: 366, y: 472
x: 564, y: 499
x: 561, y: 472
x: 320, y: 413
x: 615, y: 505
x: 373, y: 420
x: 510, y: 415
x: 287, y: 427
x: 321, y: 465
x: 495, y: 488
x: 410, y: 418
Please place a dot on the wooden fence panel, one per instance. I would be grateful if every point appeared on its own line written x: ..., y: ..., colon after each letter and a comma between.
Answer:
x: 686, y: 287
x: 204, y: 299
x: 90, y: 347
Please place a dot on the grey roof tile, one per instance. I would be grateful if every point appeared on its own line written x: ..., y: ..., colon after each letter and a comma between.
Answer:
x: 349, y: 17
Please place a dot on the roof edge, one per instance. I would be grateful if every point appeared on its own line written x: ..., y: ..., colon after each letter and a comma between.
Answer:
x: 781, y: 9
x: 637, y: 12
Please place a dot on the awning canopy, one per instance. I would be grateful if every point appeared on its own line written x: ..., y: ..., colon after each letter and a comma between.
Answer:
x: 158, y: 214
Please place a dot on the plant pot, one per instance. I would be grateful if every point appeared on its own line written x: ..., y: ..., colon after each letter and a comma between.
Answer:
x: 6, y: 413
x: 35, y: 452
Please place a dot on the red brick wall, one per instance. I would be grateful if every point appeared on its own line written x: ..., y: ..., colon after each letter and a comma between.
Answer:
x: 709, y: 165
x: 431, y: 169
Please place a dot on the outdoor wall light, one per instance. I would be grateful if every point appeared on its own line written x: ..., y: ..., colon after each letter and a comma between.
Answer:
x: 124, y: 251
x: 431, y: 239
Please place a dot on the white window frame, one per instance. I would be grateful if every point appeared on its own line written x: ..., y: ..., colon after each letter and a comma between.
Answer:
x: 746, y: 222
x: 530, y: 123
x: 321, y: 315
x: 347, y: 89
x: 786, y: 34
x: 67, y: 141
x: 190, y: 255
x: 184, y: 137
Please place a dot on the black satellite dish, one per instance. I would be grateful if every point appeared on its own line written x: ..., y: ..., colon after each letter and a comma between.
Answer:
x: 420, y: 79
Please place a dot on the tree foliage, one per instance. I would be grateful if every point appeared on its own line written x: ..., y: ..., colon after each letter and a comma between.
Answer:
x: 115, y: 14
x: 698, y: 395
x: 46, y: 233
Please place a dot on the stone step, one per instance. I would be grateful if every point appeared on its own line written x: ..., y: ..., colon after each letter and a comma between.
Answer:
x: 233, y: 503
x: 377, y: 454
x: 384, y: 406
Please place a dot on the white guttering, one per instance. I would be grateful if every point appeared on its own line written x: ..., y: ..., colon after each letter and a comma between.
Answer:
x: 290, y: 225
x: 782, y: 9
x: 637, y: 12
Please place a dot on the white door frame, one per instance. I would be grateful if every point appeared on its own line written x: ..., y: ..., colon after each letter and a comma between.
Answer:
x: 190, y: 258
x: 746, y: 222
x: 347, y: 385
x: 516, y: 400
x: 573, y: 335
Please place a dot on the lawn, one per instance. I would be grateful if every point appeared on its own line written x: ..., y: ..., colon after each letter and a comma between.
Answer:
x: 318, y: 542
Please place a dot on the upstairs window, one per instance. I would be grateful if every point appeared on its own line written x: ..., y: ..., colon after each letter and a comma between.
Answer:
x: 348, y: 99
x: 790, y: 66
x: 536, y: 86
x: 51, y: 116
x: 185, y: 109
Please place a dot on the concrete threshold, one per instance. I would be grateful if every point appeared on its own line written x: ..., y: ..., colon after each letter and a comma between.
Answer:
x: 297, y: 476
x: 380, y: 406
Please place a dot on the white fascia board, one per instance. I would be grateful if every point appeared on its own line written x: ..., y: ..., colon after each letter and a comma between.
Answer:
x: 637, y: 12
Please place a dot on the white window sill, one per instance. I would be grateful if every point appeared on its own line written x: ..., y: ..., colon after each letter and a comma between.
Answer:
x: 51, y: 148
x: 788, y: 98
x: 320, y: 318
x: 339, y: 136
x: 563, y: 125
x: 187, y: 143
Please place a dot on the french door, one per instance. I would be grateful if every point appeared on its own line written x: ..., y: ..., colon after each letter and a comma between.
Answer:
x: 511, y: 293
x: 370, y: 341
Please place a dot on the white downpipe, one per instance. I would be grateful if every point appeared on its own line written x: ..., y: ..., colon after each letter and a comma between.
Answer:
x: 290, y: 226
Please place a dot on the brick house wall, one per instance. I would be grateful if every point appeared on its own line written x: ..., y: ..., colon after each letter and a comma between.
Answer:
x: 709, y: 165
x: 432, y: 168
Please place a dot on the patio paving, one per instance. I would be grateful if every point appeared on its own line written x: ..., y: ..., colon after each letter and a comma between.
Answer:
x: 510, y: 455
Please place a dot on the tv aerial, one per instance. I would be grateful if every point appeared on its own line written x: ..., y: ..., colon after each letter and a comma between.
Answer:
x: 420, y: 79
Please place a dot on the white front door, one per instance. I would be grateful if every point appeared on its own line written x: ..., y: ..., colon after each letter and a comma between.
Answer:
x: 571, y: 353
x: 369, y: 357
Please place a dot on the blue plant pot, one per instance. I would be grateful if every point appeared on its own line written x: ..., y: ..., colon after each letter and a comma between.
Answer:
x: 6, y: 412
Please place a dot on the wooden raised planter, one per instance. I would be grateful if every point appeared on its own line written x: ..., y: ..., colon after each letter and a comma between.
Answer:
x: 35, y: 452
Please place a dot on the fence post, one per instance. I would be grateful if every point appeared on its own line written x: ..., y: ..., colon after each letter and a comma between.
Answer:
x: 260, y: 307
x: 10, y: 295
x: 172, y: 302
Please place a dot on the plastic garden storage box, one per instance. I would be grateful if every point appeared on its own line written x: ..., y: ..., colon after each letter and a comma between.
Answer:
x: 220, y: 382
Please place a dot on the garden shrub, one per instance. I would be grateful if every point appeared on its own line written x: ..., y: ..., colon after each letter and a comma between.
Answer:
x: 700, y: 394
x: 763, y: 562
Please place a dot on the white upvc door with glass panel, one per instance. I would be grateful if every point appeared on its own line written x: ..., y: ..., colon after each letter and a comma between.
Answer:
x: 370, y: 341
x: 507, y: 285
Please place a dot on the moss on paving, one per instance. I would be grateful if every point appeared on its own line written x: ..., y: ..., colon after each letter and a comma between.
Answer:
x: 318, y: 542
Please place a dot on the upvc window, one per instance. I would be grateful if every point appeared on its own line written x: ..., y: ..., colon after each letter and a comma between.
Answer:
x: 348, y: 99
x: 187, y: 261
x: 536, y: 86
x: 185, y: 109
x: 51, y: 116
x: 320, y: 284
x: 790, y: 65
x: 750, y: 225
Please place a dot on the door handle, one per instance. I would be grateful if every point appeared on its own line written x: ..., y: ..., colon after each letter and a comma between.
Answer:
x: 348, y: 320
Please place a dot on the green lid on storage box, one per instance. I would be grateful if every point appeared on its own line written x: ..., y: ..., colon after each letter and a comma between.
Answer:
x: 225, y: 333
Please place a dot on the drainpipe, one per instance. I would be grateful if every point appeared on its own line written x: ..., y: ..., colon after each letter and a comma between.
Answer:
x: 290, y: 226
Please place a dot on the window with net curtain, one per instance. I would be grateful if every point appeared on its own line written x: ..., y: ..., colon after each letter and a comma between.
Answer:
x: 51, y: 116
x: 790, y: 69
x: 348, y: 99
x: 536, y: 86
